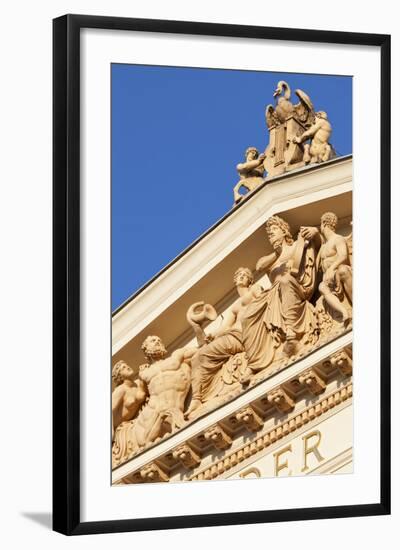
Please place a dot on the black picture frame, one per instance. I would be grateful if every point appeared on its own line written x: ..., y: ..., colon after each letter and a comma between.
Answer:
x: 66, y: 273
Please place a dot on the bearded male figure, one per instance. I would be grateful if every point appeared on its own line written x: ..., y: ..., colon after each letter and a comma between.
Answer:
x: 282, y: 316
x: 210, y: 358
x: 167, y: 380
x: 168, y: 383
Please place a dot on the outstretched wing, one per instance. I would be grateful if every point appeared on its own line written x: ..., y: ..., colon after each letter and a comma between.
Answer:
x: 270, y: 116
x: 304, y: 109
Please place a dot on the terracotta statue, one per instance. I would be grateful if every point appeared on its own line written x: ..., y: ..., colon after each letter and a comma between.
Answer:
x: 226, y: 342
x: 320, y: 150
x: 334, y: 261
x: 251, y: 172
x: 128, y: 396
x: 282, y: 314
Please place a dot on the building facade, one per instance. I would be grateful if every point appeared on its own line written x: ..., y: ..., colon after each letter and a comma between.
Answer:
x: 244, y: 377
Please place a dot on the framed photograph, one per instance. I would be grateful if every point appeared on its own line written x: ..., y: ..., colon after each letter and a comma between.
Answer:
x: 221, y: 274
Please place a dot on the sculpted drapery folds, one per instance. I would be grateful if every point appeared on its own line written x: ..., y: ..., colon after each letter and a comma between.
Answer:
x: 310, y: 292
x: 267, y: 325
x: 261, y: 329
x: 227, y: 342
x: 282, y: 315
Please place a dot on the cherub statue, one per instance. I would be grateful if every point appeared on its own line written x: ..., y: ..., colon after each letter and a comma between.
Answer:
x: 320, y: 150
x: 285, y: 121
x: 251, y: 172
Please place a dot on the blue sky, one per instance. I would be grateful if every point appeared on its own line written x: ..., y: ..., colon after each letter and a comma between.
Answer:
x: 177, y: 135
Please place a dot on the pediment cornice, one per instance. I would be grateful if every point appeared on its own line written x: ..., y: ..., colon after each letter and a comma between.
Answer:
x: 303, y: 387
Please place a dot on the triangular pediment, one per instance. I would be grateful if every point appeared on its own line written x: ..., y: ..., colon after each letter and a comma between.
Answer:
x: 237, y: 239
x: 204, y: 272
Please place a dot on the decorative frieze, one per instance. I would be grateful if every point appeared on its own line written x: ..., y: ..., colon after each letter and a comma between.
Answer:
x: 218, y: 437
x: 281, y: 400
x: 186, y: 455
x: 278, y: 432
x: 312, y: 382
x: 250, y: 419
x: 171, y: 390
x: 153, y: 473
x: 343, y: 361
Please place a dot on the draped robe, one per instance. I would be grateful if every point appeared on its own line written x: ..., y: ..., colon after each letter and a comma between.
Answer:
x: 281, y: 311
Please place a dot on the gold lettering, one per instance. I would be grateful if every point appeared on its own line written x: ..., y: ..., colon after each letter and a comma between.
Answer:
x: 312, y: 448
x: 282, y: 465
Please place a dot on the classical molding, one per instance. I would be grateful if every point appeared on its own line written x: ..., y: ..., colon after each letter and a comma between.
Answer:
x: 284, y: 390
x: 273, y: 398
x: 342, y: 360
x: 249, y: 417
x: 218, y: 437
x: 186, y: 455
x: 281, y: 400
x: 313, y: 382
x: 151, y: 473
x: 285, y: 427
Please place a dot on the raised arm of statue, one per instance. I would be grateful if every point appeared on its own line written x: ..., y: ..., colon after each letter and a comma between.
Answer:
x: 310, y: 132
x: 266, y: 261
x: 311, y: 233
x: 249, y: 166
x: 184, y: 354
x: 196, y: 315
x: 168, y: 381
x: 250, y: 172
x: 147, y: 374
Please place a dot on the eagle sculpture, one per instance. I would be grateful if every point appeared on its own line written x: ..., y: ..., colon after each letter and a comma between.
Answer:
x: 284, y: 108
